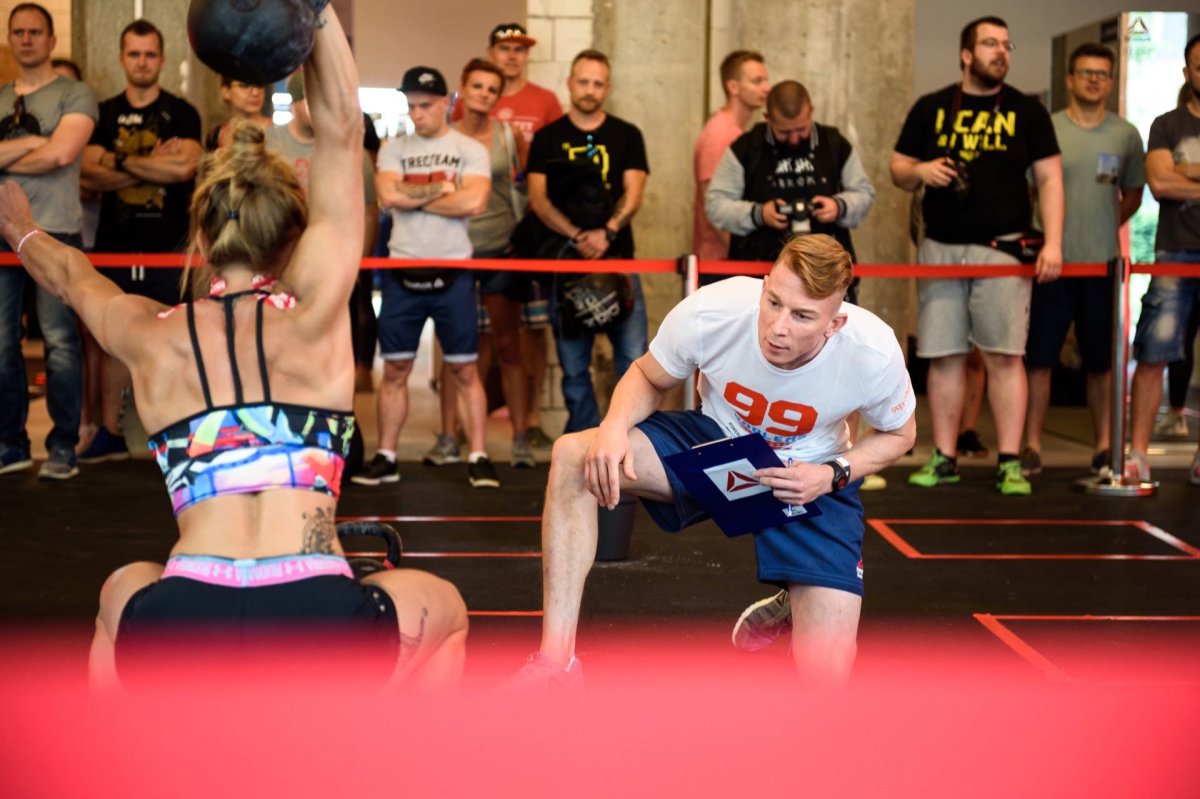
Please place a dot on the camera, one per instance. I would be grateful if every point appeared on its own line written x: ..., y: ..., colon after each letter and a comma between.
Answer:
x: 797, y: 213
x: 794, y: 210
x: 961, y: 182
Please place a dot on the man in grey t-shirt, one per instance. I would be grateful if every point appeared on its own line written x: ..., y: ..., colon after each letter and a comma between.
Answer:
x: 432, y: 182
x: 1103, y: 177
x: 45, y: 122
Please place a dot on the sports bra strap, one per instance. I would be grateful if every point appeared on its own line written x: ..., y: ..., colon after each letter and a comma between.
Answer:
x: 191, y: 322
x: 227, y: 306
x: 262, y: 356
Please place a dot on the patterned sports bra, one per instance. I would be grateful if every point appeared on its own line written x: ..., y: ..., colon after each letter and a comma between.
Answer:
x: 246, y: 448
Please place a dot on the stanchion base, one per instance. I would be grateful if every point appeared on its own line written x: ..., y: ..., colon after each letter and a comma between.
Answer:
x: 1110, y: 486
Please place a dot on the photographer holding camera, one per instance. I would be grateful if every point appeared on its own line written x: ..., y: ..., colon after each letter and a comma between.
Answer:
x: 785, y: 177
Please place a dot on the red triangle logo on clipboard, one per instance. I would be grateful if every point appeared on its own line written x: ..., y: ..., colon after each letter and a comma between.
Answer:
x: 739, y: 482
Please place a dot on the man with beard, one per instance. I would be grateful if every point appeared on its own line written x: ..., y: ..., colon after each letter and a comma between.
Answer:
x: 970, y: 145
x: 587, y: 175
x: 788, y: 176
x: 142, y: 159
x: 1173, y: 172
x: 46, y: 122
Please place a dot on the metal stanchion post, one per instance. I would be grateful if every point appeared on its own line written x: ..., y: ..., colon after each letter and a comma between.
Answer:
x: 1115, y: 484
x: 691, y: 282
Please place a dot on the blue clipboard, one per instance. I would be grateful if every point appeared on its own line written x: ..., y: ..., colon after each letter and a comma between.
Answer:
x: 719, y: 475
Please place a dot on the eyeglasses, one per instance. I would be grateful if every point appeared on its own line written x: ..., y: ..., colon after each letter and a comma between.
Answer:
x: 992, y: 44
x: 1088, y: 74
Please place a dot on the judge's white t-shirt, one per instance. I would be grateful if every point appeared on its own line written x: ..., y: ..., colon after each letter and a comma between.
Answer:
x: 800, y: 412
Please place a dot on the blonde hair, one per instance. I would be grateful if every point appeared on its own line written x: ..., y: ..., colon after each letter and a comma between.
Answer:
x: 247, y: 209
x: 823, y: 265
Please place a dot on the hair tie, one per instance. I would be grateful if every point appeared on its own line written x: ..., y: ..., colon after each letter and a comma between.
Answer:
x: 233, y: 214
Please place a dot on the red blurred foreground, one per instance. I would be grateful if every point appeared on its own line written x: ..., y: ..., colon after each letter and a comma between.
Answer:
x: 923, y: 717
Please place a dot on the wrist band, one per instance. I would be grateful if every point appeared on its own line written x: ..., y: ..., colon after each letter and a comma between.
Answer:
x: 32, y: 232
x: 841, y: 204
x: 578, y: 235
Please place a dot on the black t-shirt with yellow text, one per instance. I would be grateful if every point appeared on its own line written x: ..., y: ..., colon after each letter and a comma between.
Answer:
x: 994, y: 139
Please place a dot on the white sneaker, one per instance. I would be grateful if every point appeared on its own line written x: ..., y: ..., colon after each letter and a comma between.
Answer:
x: 763, y: 622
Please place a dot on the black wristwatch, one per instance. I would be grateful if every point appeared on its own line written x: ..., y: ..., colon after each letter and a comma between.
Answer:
x: 611, y: 234
x: 841, y: 473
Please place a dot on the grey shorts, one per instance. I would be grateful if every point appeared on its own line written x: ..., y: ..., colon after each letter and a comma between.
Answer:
x: 992, y: 313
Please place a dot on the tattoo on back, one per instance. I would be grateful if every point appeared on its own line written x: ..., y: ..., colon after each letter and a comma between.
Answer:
x: 320, y: 531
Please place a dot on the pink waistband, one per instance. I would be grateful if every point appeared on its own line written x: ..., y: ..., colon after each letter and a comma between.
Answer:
x: 255, y: 573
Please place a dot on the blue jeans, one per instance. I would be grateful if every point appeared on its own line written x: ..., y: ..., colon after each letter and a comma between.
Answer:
x: 1165, y: 309
x: 629, y: 342
x: 64, y: 366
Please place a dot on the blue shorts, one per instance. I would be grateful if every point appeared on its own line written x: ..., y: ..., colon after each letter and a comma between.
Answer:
x: 1165, y: 309
x: 1086, y: 301
x: 403, y: 314
x: 824, y: 550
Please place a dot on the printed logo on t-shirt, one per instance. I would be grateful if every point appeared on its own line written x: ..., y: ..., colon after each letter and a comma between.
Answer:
x: 597, y: 153
x: 974, y: 132
x: 794, y: 172
x: 137, y: 134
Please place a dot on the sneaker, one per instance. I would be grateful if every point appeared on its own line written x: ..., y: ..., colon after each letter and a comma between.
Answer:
x: 1102, y: 463
x: 522, y: 453
x: 1194, y: 472
x: 60, y: 465
x: 105, y: 447
x: 1173, y: 424
x: 482, y: 474
x: 1031, y: 462
x: 938, y: 470
x: 445, y: 450
x: 539, y: 674
x: 763, y: 622
x: 873, y: 482
x: 1011, y: 480
x: 379, y: 470
x: 14, y: 459
x: 538, y: 438
x: 1137, y: 467
x: 970, y: 445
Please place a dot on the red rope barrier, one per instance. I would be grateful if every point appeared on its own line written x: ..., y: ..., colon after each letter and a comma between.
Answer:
x: 662, y: 266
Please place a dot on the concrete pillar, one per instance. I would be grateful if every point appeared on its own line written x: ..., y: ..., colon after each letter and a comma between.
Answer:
x: 856, y: 59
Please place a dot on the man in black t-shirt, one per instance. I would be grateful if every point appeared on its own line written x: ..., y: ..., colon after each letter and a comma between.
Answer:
x: 142, y: 158
x: 970, y: 145
x: 587, y: 173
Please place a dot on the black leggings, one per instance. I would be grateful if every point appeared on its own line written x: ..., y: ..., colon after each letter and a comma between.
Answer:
x: 316, y: 614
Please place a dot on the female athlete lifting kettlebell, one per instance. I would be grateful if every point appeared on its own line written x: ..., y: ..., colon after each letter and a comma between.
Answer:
x: 251, y: 390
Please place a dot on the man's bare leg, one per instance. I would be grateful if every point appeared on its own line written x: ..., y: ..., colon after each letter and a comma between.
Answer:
x: 946, y: 384
x: 569, y: 532
x: 824, y: 632
x: 1008, y: 395
x: 392, y: 402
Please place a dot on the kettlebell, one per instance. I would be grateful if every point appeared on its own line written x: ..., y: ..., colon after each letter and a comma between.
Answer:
x: 256, y: 42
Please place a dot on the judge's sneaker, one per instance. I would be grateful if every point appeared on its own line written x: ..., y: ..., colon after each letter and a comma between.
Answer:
x: 444, y: 451
x: 1172, y: 424
x: 379, y: 470
x: 522, y: 453
x: 1010, y: 481
x: 938, y: 470
x: 763, y: 622
x: 540, y: 674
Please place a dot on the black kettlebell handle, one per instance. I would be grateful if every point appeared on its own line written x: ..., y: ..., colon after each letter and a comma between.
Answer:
x: 395, y: 546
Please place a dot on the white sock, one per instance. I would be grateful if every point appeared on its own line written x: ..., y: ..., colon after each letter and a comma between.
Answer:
x: 390, y: 454
x: 474, y: 456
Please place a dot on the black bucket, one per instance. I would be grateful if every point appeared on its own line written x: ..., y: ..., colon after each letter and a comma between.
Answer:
x: 616, y: 529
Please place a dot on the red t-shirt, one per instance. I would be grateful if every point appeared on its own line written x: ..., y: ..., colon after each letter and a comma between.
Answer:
x: 719, y: 132
x: 528, y: 111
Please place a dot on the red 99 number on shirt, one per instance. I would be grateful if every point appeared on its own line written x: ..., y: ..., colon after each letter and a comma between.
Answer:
x: 790, y: 418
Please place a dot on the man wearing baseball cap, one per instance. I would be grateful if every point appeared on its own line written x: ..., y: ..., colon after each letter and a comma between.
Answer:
x: 432, y: 182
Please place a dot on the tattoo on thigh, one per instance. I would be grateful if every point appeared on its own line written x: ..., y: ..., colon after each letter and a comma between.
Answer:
x: 409, y: 644
x: 320, y: 530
